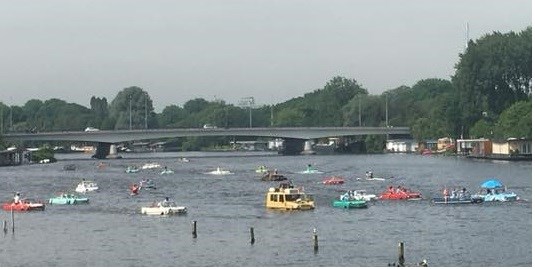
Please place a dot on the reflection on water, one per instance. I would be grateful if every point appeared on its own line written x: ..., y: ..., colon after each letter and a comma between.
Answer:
x: 110, y: 231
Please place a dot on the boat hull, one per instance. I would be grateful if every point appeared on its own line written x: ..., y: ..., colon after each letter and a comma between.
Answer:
x: 9, y: 206
x: 68, y: 201
x: 457, y: 201
x: 174, y: 210
x: 350, y: 204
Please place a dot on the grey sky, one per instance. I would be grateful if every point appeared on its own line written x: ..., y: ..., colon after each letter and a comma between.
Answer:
x: 272, y: 50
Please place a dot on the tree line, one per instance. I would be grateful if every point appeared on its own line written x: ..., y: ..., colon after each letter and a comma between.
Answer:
x: 489, y: 95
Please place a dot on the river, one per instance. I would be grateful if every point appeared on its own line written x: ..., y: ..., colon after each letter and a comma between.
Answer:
x: 110, y: 231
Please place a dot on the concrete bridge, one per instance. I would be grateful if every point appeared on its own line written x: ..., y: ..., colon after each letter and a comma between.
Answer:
x: 293, y: 136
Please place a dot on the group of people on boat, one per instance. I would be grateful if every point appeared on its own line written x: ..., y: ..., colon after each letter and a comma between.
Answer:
x: 369, y: 174
x: 349, y: 195
x: 399, y: 189
x: 462, y: 193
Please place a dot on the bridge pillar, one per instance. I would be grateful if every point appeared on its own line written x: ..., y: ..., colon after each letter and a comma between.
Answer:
x: 113, y: 152
x: 102, y: 150
x: 292, y: 146
x: 307, y: 149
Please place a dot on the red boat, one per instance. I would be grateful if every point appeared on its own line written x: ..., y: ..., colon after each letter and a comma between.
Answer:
x: 23, y: 205
x: 333, y: 180
x: 400, y: 193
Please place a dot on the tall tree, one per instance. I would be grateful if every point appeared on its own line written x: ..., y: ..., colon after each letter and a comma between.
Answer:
x: 493, y: 73
x: 133, y: 105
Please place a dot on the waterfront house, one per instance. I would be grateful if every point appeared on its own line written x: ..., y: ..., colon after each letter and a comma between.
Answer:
x: 481, y: 147
x: 512, y: 148
x: 401, y: 145
x: 444, y: 143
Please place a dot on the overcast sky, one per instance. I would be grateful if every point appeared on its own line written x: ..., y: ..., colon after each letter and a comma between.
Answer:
x: 272, y: 50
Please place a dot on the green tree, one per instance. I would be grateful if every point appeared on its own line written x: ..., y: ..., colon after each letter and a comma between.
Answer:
x: 493, y: 73
x: 134, y: 102
x: 515, y: 121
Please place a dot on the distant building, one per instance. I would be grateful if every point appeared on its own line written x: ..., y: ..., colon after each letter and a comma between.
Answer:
x: 512, y: 148
x: 481, y: 147
x: 400, y: 145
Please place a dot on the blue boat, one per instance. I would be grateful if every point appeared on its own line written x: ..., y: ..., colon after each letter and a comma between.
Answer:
x: 68, y: 199
x: 493, y: 190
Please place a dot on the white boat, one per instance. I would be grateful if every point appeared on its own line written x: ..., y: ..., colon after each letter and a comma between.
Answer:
x: 167, y: 172
x: 219, y: 171
x: 164, y: 209
x: 86, y: 186
x: 150, y: 166
x: 363, y: 195
x: 183, y: 160
x: 370, y: 176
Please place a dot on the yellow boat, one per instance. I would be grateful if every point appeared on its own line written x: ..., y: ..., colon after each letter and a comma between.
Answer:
x: 289, y: 198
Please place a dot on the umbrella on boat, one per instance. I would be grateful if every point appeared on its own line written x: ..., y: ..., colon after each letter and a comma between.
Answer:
x: 491, y: 184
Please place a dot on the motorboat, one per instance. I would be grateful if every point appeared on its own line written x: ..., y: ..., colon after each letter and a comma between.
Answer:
x: 350, y: 203
x: 401, y: 193
x: 69, y: 167
x: 493, y: 190
x: 219, y: 171
x: 310, y: 170
x: 132, y: 169
x: 370, y: 176
x: 287, y: 197
x: 150, y: 166
x: 333, y: 180
x: 23, y: 205
x: 86, y: 186
x: 167, y: 172
x: 363, y: 195
x: 164, y: 208
x: 147, y: 184
x: 273, y: 176
x: 183, y: 160
x: 68, y: 199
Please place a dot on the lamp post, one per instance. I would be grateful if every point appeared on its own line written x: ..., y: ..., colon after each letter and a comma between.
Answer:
x: 146, y: 95
x: 130, y: 111
x: 248, y: 102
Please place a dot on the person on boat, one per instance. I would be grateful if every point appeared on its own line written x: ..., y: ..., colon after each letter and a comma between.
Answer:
x: 165, y: 202
x: 135, y: 189
x: 16, y: 198
x: 445, y: 192
x: 390, y: 189
x: 398, y: 189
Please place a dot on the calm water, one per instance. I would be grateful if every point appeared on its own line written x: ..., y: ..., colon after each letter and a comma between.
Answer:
x: 110, y: 231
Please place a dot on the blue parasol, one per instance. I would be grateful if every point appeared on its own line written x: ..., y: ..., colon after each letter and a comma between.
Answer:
x: 491, y: 183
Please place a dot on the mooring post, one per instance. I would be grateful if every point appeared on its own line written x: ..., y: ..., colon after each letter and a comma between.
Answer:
x: 12, y: 220
x: 316, y: 247
x: 194, y: 231
x: 252, y: 235
x: 5, y: 226
x: 401, y: 255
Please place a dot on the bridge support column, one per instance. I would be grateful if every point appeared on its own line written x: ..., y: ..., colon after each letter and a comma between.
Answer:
x: 113, y: 152
x: 307, y: 149
x: 292, y: 146
x: 102, y: 150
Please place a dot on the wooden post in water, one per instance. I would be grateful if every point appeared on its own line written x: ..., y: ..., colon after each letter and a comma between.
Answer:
x: 315, y: 237
x: 5, y: 226
x: 12, y: 220
x: 252, y: 235
x: 401, y: 255
x: 194, y: 231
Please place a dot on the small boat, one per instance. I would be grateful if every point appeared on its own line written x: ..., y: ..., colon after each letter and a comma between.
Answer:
x: 400, y: 193
x: 86, y: 186
x: 167, y: 172
x: 68, y: 199
x: 370, y: 176
x: 132, y: 169
x: 310, y: 170
x: 261, y: 169
x: 150, y: 166
x: 183, y: 160
x: 493, y: 190
x: 23, y: 205
x: 273, y: 176
x: 334, y: 180
x: 289, y: 198
x: 219, y: 171
x: 164, y: 208
x: 351, y: 203
x: 363, y: 195
x: 147, y: 184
